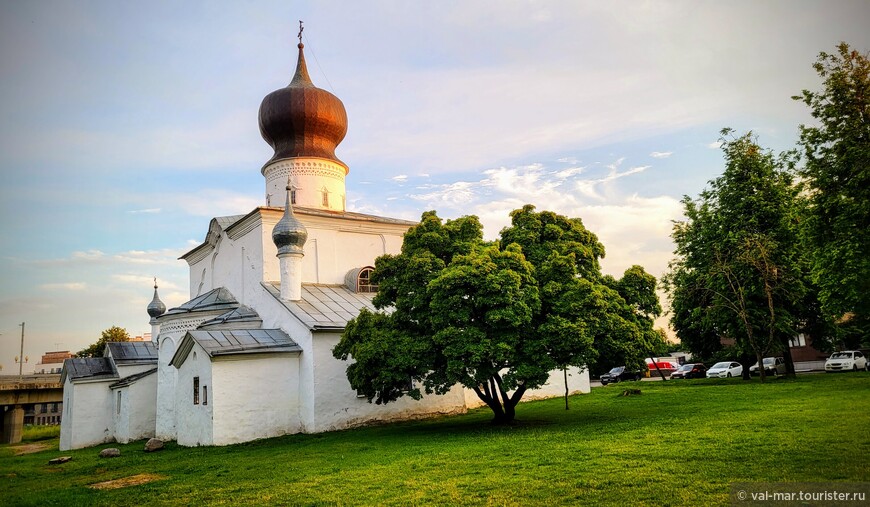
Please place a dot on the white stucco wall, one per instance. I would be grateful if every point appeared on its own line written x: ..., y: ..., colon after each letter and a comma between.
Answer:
x: 167, y: 377
x: 241, y: 260
x: 89, y: 420
x: 309, y: 175
x: 194, y: 420
x: 337, y: 405
x: 137, y: 417
x: 255, y: 396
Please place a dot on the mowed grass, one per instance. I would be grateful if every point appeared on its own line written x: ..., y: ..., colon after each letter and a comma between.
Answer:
x: 677, y: 443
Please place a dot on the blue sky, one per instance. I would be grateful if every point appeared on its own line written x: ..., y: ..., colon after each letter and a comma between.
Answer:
x: 126, y: 126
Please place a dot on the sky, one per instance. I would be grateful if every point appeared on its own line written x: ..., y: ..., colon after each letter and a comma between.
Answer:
x: 126, y: 126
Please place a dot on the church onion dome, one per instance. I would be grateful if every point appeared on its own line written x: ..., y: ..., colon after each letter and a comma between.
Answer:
x: 301, y: 120
x: 289, y: 233
x: 156, y: 307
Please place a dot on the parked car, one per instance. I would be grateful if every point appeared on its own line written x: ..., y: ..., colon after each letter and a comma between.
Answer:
x: 666, y: 367
x: 690, y: 370
x: 772, y: 366
x: 725, y: 369
x: 847, y: 360
x: 619, y: 374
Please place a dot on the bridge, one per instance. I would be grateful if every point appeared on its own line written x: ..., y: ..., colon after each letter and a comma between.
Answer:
x: 16, y: 393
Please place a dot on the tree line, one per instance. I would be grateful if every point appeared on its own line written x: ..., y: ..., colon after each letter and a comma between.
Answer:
x: 778, y: 244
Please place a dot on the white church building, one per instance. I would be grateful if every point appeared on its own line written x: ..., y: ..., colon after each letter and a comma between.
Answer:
x: 250, y: 355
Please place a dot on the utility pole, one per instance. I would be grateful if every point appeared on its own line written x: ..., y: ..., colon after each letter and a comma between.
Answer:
x: 21, y: 357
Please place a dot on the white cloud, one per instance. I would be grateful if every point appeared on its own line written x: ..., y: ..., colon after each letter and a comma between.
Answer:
x: 147, y: 210
x: 715, y: 145
x: 661, y: 154
x: 401, y: 178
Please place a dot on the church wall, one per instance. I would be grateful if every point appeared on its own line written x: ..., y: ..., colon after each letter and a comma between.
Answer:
x: 90, y: 406
x: 66, y: 420
x: 276, y: 316
x: 138, y: 415
x: 171, y: 332
x: 120, y: 414
x: 255, y: 396
x: 131, y: 369
x: 338, y: 406
x: 167, y: 377
x: 578, y: 382
x: 196, y: 428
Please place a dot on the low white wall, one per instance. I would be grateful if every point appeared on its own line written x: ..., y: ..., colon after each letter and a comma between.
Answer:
x: 255, y: 396
x: 89, y: 421
x: 138, y: 415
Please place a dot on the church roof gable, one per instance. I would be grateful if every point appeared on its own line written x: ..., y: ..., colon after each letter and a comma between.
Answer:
x: 234, y: 342
x: 215, y: 299
x: 90, y: 368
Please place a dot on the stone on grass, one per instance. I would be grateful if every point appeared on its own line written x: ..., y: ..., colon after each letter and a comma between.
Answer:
x: 111, y: 452
x: 58, y: 461
x: 153, y: 444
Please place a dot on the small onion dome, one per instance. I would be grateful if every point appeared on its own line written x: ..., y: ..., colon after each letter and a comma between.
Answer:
x: 289, y: 234
x: 156, y: 307
x: 302, y: 120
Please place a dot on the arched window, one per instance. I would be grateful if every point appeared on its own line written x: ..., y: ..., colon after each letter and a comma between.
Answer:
x: 292, y: 195
x: 363, y: 281
x: 325, y: 194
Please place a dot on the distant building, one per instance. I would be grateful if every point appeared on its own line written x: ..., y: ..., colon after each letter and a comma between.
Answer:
x: 250, y: 355
x: 52, y: 362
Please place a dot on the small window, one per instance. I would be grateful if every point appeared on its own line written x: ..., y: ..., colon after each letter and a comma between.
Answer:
x: 325, y: 194
x: 363, y: 281
x: 118, y: 403
x: 44, y: 408
x: 205, y: 395
x: 196, y: 390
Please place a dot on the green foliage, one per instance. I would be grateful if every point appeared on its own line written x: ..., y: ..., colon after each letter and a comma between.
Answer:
x: 836, y: 175
x: 113, y: 334
x: 659, y: 448
x: 496, y: 318
x: 738, y: 270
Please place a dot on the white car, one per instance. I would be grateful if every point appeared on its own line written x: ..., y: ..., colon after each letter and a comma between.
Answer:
x: 725, y: 369
x: 847, y: 360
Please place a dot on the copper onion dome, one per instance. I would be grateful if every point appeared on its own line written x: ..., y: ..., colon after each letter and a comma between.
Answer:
x: 301, y: 120
x: 156, y: 307
x: 289, y: 234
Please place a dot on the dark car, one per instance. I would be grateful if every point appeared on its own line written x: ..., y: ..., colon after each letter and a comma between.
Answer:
x: 690, y: 370
x: 619, y: 374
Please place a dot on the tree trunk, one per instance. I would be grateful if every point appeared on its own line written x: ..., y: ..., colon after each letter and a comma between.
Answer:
x: 786, y: 354
x: 565, y: 371
x: 746, y: 361
x: 761, y: 371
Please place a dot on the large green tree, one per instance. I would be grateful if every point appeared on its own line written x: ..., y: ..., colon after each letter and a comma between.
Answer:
x: 737, y: 272
x: 113, y: 334
x: 494, y: 317
x: 836, y: 173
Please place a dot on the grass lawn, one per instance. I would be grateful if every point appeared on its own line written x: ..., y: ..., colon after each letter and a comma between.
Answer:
x: 678, y: 443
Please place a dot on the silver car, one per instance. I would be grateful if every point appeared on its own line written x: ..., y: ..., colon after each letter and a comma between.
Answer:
x: 772, y: 366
